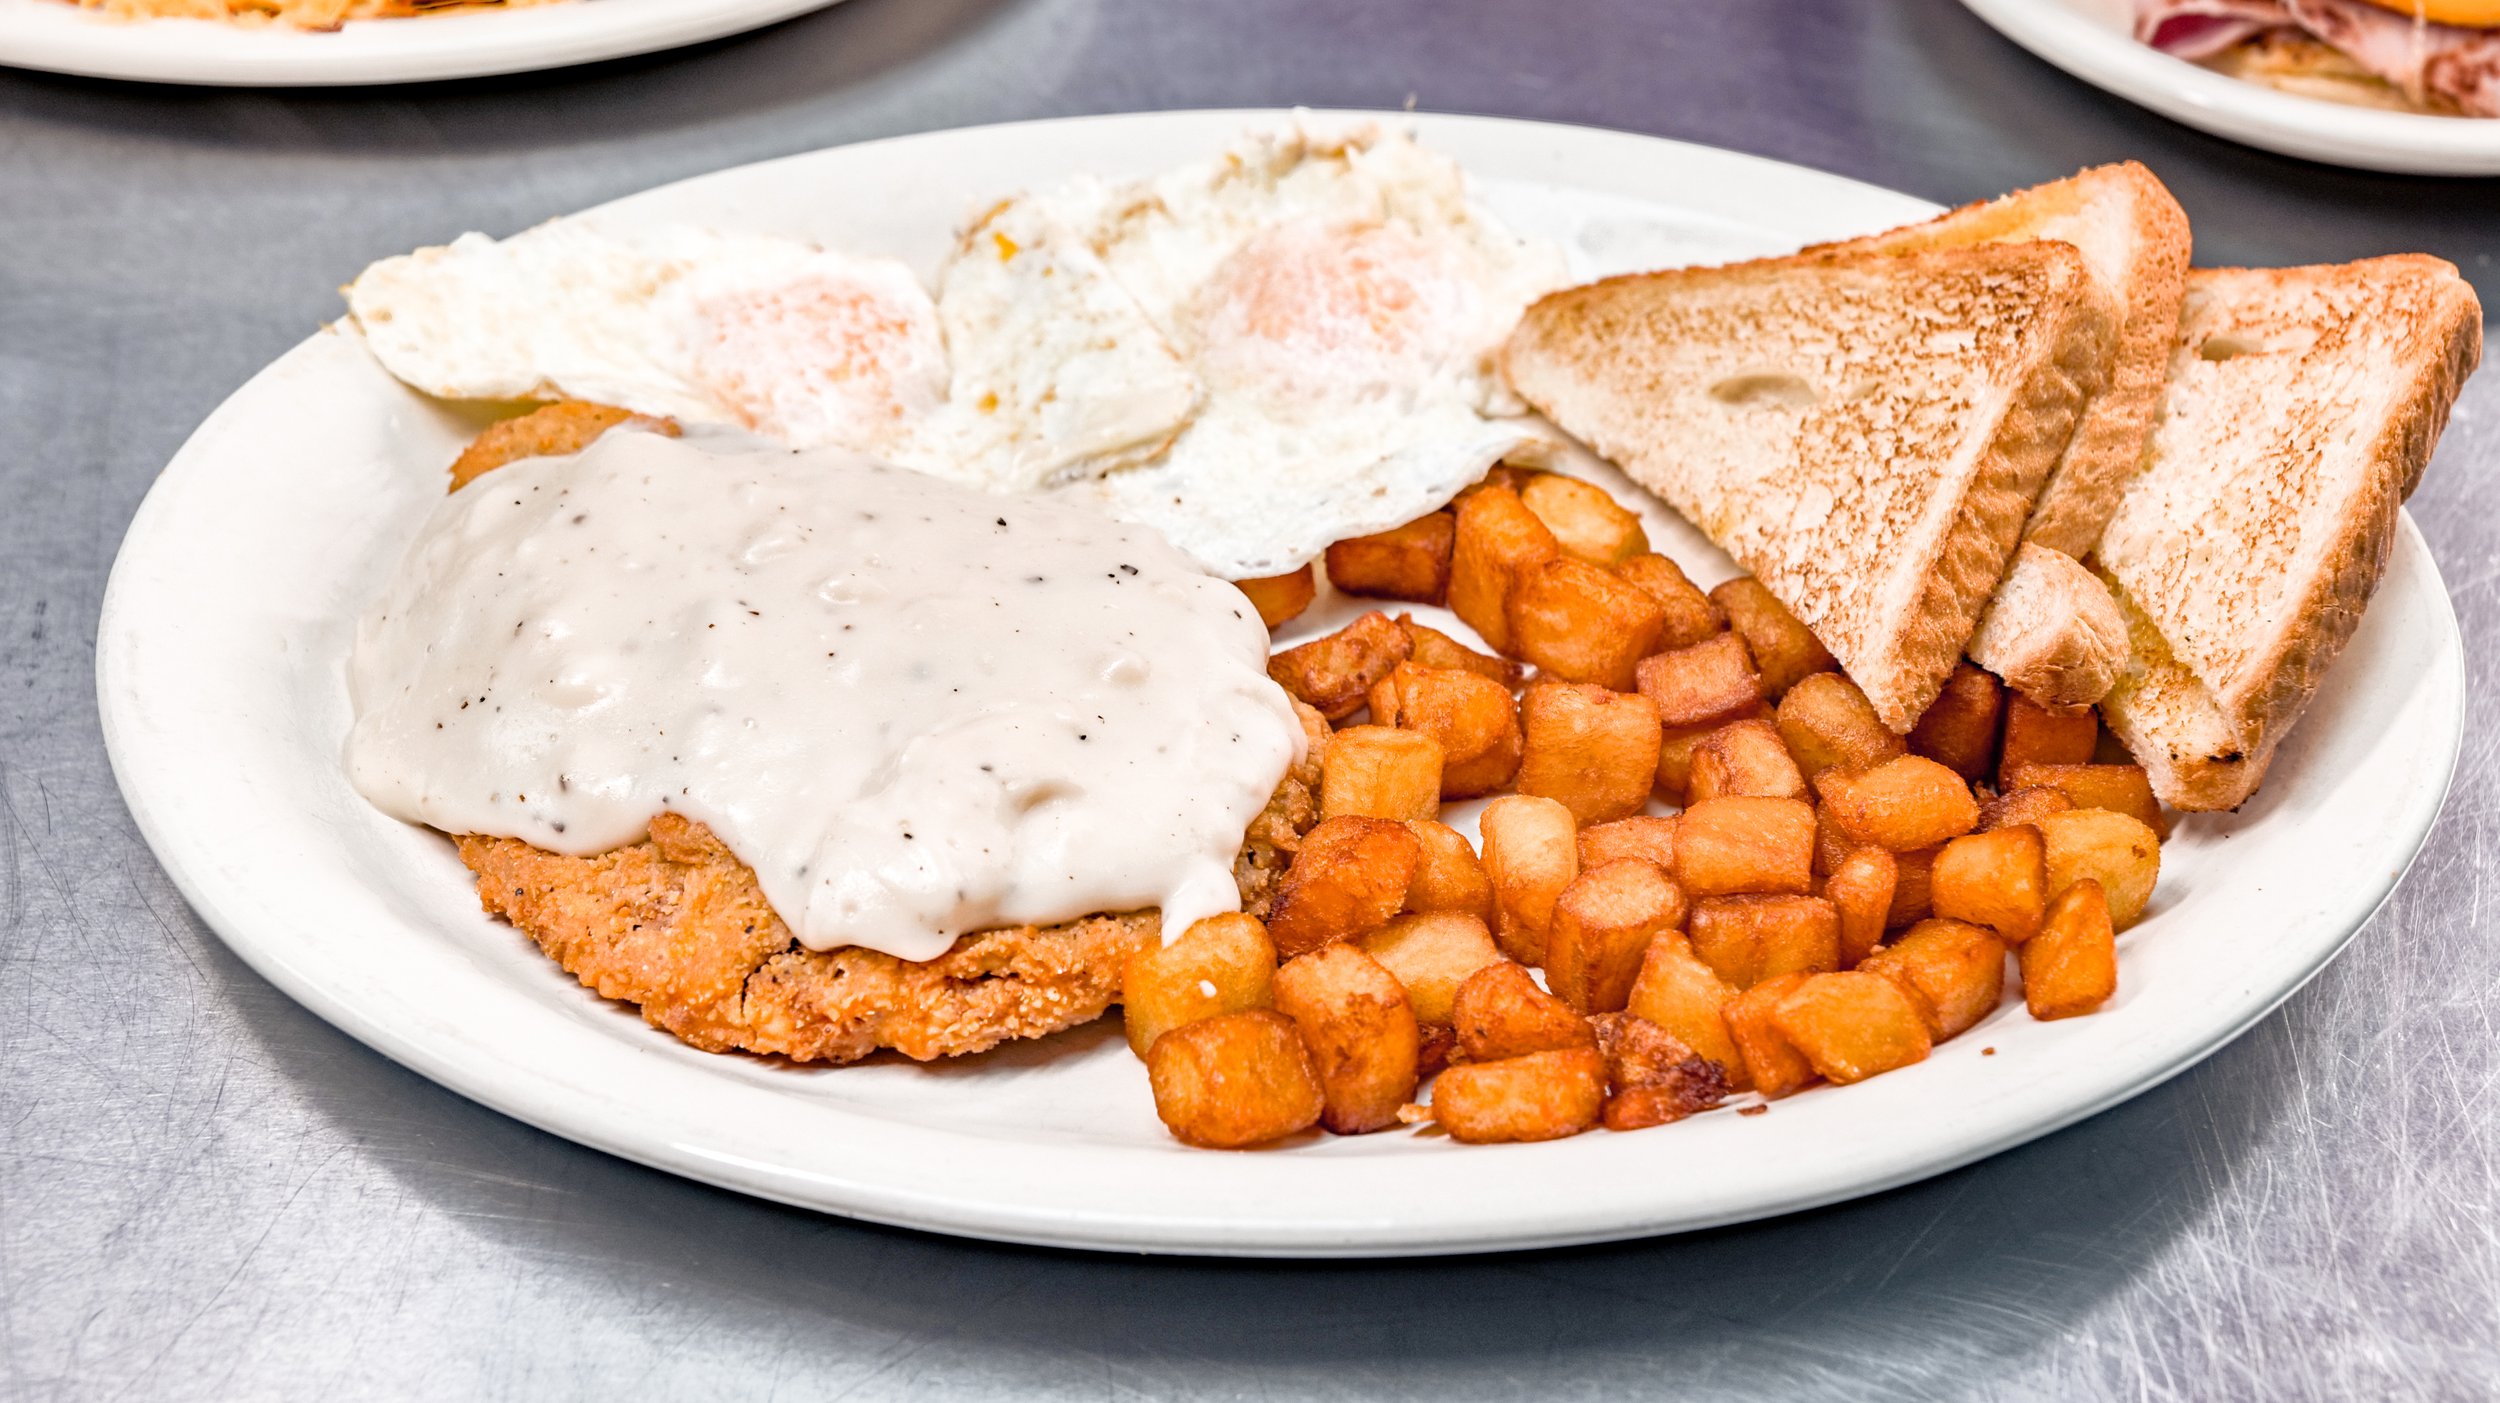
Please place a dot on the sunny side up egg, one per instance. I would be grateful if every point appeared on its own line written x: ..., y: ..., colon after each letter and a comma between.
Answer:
x: 1341, y: 300
x: 808, y: 346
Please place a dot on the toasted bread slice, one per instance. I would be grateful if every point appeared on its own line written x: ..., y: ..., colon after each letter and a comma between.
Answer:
x: 2053, y: 631
x: 1866, y: 433
x: 2134, y: 239
x: 2303, y: 404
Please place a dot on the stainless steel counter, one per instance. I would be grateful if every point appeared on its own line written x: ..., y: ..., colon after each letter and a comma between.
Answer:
x: 207, y: 1193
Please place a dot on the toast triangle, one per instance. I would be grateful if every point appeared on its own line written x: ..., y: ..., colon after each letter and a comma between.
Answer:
x: 2302, y: 406
x: 1866, y: 433
x: 2135, y: 243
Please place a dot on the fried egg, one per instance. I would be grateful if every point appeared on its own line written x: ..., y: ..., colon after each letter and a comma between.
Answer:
x: 1340, y: 301
x: 809, y: 346
x: 1256, y: 355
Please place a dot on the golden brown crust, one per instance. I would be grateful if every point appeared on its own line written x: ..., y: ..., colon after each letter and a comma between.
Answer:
x: 2136, y: 240
x: 2071, y: 351
x: 2303, y: 406
x: 677, y: 925
x: 566, y: 426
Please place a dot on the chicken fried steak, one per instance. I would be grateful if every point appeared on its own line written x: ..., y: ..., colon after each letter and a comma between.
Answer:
x: 677, y: 926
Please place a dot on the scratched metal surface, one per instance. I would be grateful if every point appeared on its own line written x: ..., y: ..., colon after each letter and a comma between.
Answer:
x: 205, y: 1193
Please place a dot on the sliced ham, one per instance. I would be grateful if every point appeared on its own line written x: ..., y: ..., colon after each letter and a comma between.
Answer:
x: 2441, y: 62
x: 2200, y: 29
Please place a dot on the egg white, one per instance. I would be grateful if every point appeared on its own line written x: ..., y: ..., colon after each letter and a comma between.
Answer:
x: 1340, y: 300
x: 1054, y: 372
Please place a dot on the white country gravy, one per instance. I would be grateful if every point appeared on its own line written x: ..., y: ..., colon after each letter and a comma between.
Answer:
x: 916, y: 710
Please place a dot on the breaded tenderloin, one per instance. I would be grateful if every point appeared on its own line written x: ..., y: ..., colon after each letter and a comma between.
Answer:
x: 549, y: 431
x: 677, y: 925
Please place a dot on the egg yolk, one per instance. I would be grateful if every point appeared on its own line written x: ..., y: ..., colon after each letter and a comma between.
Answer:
x: 1366, y: 301
x: 811, y: 346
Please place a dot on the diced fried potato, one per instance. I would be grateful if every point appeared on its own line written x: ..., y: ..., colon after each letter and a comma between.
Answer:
x: 1448, y: 874
x: 1642, y: 837
x: 1747, y: 939
x: 1350, y: 876
x: 1334, y: 675
x: 1500, y: 1012
x: 1710, y: 683
x: 1234, y: 1080
x: 1593, y: 750
x: 1432, y: 953
x: 1830, y: 844
x: 1472, y: 719
x: 1906, y: 802
x: 1281, y: 598
x: 1829, y: 724
x: 1959, y: 728
x: 1539, y: 1096
x: 1531, y: 852
x: 1784, y: 650
x: 1860, y: 889
x: 1603, y: 924
x: 1430, y: 647
x: 1681, y: 994
x: 1360, y: 1031
x: 1687, y: 616
x: 2121, y: 789
x: 1852, y: 1026
x: 1744, y: 757
x: 1579, y: 623
x: 1409, y: 562
x: 1956, y: 967
x: 1433, y: 1052
x: 2040, y: 734
x: 1677, y: 745
x: 1741, y: 844
x: 2016, y: 807
x: 1997, y: 879
x: 1913, y: 895
x: 1382, y: 772
x: 2119, y: 852
x: 549, y: 431
x: 1587, y: 523
x: 2071, y: 966
x: 1652, y: 1076
x: 1497, y: 538
x: 1223, y: 964
x: 1773, y: 1065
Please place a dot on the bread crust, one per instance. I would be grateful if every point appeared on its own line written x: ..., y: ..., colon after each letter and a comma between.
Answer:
x: 2053, y: 632
x: 2253, y: 483
x: 1890, y: 570
x: 2169, y: 723
x: 2136, y: 243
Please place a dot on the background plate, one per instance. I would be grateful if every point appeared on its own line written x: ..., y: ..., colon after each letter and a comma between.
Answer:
x: 62, y: 38
x: 220, y: 670
x: 2093, y: 40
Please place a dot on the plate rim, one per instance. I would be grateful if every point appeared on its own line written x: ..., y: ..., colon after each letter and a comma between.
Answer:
x: 2308, y: 128
x: 539, y: 1105
x: 55, y: 37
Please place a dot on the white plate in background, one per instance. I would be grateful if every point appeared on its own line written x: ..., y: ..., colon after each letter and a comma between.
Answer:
x: 63, y: 38
x: 2094, y: 40
x: 220, y: 672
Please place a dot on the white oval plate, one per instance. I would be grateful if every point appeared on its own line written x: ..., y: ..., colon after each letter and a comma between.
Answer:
x: 220, y: 671
x: 2094, y: 40
x: 63, y: 38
